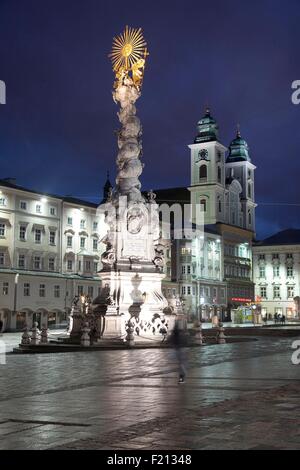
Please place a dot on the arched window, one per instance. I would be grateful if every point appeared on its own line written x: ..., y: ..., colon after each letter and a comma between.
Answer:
x: 203, y: 205
x: 203, y: 172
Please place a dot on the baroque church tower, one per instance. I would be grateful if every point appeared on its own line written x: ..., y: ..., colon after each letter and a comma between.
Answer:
x: 223, y: 186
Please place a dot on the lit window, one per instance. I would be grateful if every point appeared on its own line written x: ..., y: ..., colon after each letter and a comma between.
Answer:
x: 38, y: 235
x: 52, y: 238
x: 21, y: 261
x: 69, y: 265
x: 5, y: 288
x: 22, y: 233
x: 37, y: 262
x: 26, y: 289
x: 42, y: 290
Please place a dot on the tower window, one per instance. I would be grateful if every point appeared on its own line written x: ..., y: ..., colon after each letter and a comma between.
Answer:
x: 219, y: 174
x: 203, y: 172
x: 203, y: 205
x: 249, y: 218
x: 220, y: 206
x: 249, y: 190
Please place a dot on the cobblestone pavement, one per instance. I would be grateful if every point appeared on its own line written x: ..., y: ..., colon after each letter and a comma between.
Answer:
x: 237, y: 396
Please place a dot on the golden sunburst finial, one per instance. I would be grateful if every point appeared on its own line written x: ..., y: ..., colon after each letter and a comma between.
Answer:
x: 129, y: 51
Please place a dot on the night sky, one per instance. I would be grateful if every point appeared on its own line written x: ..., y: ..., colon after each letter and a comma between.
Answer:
x: 240, y: 58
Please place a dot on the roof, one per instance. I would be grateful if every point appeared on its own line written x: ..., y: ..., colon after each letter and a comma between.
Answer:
x: 72, y: 200
x: 290, y: 236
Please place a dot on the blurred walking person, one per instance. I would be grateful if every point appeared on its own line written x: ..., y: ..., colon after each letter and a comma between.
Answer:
x: 178, y: 342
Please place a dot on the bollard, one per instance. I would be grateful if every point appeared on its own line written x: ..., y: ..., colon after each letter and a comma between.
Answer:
x: 35, y: 336
x: 25, y: 336
x: 130, y: 335
x: 85, y: 337
x: 199, y: 336
x: 44, y: 335
x: 220, y: 334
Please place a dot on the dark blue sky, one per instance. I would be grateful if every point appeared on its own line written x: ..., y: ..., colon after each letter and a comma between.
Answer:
x: 56, y: 130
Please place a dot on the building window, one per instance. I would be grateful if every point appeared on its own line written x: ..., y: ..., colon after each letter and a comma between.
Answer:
x: 69, y: 241
x: 22, y: 233
x: 52, y: 238
x: 21, y: 261
x: 220, y: 206
x: 42, y: 290
x: 90, y: 291
x: 80, y: 290
x: 188, y: 269
x: 26, y: 289
x: 203, y: 172
x: 276, y: 271
x: 79, y: 265
x: 263, y: 292
x: 290, y: 271
x: 2, y: 201
x: 183, y: 270
x: 183, y: 290
x: 289, y: 256
x: 37, y: 262
x: 69, y: 265
x: 51, y: 264
x: 276, y: 292
x: 52, y: 211
x: 38, y: 208
x: 82, y: 242
x: 5, y: 288
x: 95, y: 244
x: 69, y: 221
x: 38, y: 235
x: 23, y: 205
x: 219, y: 174
x: 249, y: 190
x: 56, y: 292
x: 82, y: 224
x: 262, y: 272
x: 275, y: 256
x: 87, y: 265
x: 2, y: 230
x: 249, y: 218
x: 95, y: 267
x: 203, y: 205
x: 95, y: 225
x: 290, y: 292
x: 261, y: 256
x: 2, y: 259
x: 189, y: 290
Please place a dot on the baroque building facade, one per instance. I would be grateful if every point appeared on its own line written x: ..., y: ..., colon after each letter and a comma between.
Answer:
x: 277, y: 274
x: 49, y: 253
